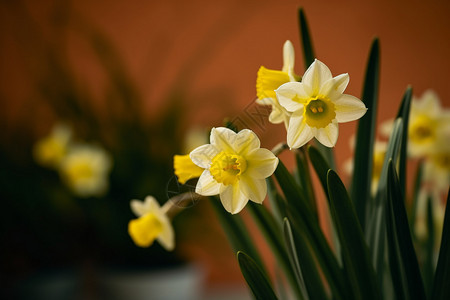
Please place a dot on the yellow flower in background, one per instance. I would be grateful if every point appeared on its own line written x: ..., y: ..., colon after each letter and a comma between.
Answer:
x: 235, y: 168
x: 317, y: 105
x: 85, y: 170
x: 152, y: 224
x: 268, y: 81
x: 50, y: 150
x: 185, y: 169
x: 426, y: 119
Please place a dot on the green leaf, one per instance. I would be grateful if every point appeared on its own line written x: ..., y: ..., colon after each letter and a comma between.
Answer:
x: 307, y: 230
x: 320, y: 165
x: 404, y: 114
x: 375, y: 227
x: 398, y: 221
x: 236, y: 231
x: 294, y: 195
x: 255, y: 277
x: 304, y: 177
x: 428, y: 266
x: 441, y: 288
x: 355, y: 253
x: 277, y: 203
x: 305, y: 37
x: 272, y: 232
x: 362, y: 170
x: 311, y: 285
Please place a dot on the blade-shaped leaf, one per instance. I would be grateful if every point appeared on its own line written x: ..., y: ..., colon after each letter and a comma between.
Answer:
x: 414, y: 284
x: 255, y: 277
x: 277, y: 203
x: 304, y: 177
x: 404, y: 114
x: 441, y: 288
x: 307, y: 229
x: 311, y: 285
x: 376, y: 229
x: 320, y: 166
x: 273, y: 234
x: 294, y: 195
x: 355, y: 254
x: 236, y: 232
x: 362, y: 170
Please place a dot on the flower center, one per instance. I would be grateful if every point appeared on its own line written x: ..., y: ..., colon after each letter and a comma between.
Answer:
x: 226, y: 168
x: 145, y: 229
x: 319, y: 113
x: 422, y: 130
x: 80, y: 171
x: 442, y: 160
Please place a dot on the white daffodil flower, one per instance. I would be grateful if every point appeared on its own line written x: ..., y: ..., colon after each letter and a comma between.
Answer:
x: 152, y: 223
x: 85, y: 170
x: 268, y: 81
x: 317, y: 105
x: 425, y: 121
x: 235, y: 168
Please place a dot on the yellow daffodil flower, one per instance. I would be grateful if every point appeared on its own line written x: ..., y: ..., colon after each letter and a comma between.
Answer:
x: 152, y: 224
x: 268, y: 81
x: 317, y: 105
x: 85, y: 170
x: 50, y: 150
x: 185, y: 169
x: 235, y: 168
x: 426, y: 119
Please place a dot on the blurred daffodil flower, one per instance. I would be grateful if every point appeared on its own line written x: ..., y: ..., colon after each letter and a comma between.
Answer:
x: 235, y: 168
x: 85, y: 170
x: 317, y: 105
x: 426, y: 119
x: 268, y: 81
x: 152, y: 224
x: 50, y: 150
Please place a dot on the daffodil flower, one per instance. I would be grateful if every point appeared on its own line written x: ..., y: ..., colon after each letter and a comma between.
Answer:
x: 268, y: 81
x: 50, y: 150
x: 317, y: 105
x: 185, y: 169
x: 152, y: 224
x: 85, y: 170
x: 426, y: 119
x: 235, y: 168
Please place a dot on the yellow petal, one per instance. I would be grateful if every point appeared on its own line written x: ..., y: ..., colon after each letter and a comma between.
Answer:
x: 185, y: 169
x: 145, y: 230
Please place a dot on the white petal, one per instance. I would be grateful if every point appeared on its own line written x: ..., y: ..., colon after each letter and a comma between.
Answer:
x: 276, y: 116
x: 349, y: 108
x: 299, y: 133
x: 167, y: 236
x: 254, y: 189
x: 233, y: 200
x: 288, y: 57
x: 334, y: 87
x: 140, y: 208
x: 202, y: 156
x: 290, y: 90
x: 223, y: 138
x: 261, y: 163
x: 316, y: 75
x: 328, y: 136
x: 207, y: 185
x: 245, y: 141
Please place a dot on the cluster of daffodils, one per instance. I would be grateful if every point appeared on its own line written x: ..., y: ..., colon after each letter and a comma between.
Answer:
x: 83, y: 167
x: 429, y: 136
x: 234, y: 166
